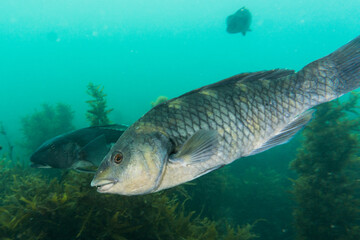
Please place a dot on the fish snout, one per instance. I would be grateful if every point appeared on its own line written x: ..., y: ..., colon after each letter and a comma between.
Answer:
x: 103, y: 185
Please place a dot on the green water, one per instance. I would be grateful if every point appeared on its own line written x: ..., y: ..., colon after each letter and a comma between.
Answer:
x: 138, y: 50
x: 142, y: 49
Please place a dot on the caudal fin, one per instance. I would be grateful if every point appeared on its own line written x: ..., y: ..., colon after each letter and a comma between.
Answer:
x: 347, y: 64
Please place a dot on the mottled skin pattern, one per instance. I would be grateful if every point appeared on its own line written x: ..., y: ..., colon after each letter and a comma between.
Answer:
x: 246, y: 111
x: 247, y: 114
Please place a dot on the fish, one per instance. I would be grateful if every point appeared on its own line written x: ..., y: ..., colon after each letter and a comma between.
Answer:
x: 81, y: 150
x: 200, y: 131
x: 240, y: 21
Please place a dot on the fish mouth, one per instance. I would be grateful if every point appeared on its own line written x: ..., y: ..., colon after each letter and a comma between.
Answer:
x: 103, y: 185
x: 39, y: 165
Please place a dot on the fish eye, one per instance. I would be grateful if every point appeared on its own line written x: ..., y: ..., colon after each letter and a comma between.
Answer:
x: 118, y: 157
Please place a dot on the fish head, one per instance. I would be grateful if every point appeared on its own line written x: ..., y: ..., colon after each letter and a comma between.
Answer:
x: 134, y: 165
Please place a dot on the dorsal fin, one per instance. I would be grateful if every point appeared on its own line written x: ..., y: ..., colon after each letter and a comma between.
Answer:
x: 267, y: 75
x: 248, y: 77
x: 244, y: 77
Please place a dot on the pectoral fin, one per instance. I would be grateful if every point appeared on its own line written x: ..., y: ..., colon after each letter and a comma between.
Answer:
x: 198, y: 148
x: 84, y: 166
x: 95, y: 150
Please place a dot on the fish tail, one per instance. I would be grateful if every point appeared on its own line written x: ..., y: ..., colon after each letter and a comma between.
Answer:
x: 334, y: 75
x: 346, y: 61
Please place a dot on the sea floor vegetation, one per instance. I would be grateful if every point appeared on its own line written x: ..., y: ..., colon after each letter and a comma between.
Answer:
x: 328, y: 165
x: 98, y: 112
x: 38, y: 206
x: 159, y: 100
x: 45, y: 123
x: 250, y: 199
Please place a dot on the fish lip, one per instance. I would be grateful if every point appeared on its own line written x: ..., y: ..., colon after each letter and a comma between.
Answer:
x: 104, y: 185
x: 39, y: 165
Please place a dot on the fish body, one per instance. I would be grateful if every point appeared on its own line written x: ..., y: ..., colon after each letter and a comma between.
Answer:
x: 239, y: 21
x: 205, y: 129
x: 82, y: 149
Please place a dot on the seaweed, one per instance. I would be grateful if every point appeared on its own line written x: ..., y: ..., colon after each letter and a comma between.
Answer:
x: 98, y: 112
x: 159, y: 100
x: 326, y: 165
x: 34, y: 206
x: 10, y: 146
x: 243, y: 194
x: 46, y: 123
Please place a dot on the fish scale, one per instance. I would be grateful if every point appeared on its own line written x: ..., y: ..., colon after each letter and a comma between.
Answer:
x: 242, y: 110
x: 202, y: 130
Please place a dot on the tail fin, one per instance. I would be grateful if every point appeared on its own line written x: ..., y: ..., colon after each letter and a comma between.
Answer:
x: 347, y: 64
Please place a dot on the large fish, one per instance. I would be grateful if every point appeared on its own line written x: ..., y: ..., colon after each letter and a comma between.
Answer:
x: 81, y: 150
x: 207, y: 128
x: 239, y: 21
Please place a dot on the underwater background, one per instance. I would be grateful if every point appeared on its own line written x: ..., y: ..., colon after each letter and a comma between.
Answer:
x: 138, y: 50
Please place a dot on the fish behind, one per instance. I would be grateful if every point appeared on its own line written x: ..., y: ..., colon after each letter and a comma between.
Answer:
x: 239, y: 21
x: 81, y: 149
x: 205, y: 129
